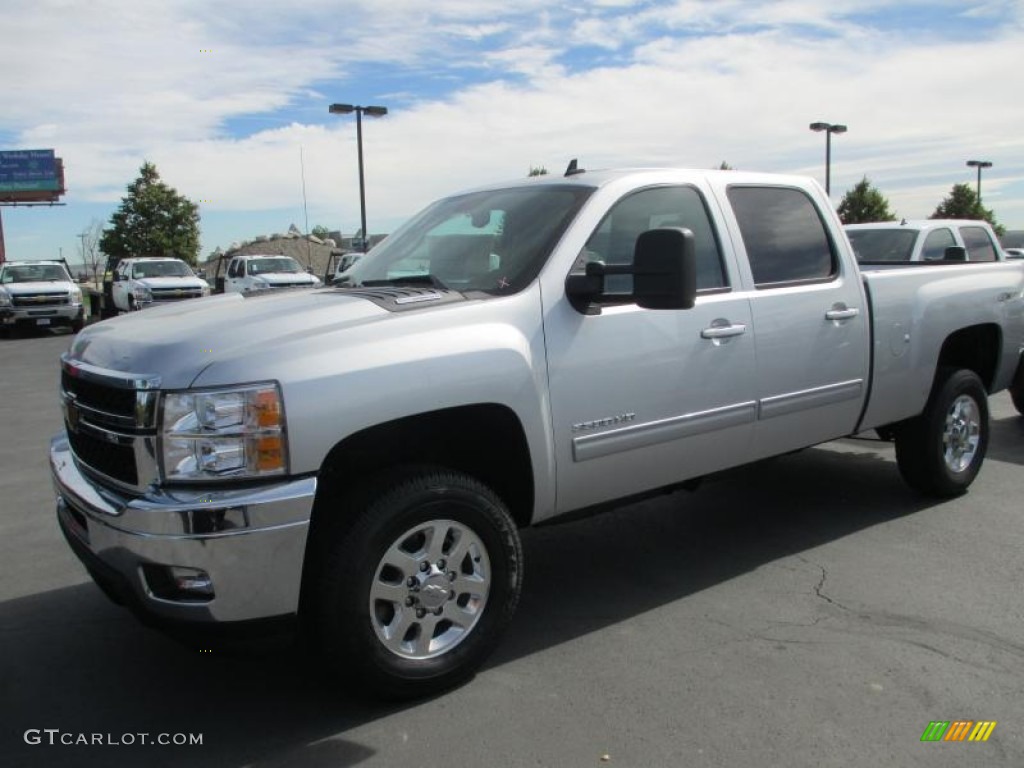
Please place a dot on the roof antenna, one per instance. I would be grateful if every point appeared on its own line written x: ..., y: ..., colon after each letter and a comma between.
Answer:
x: 573, y: 168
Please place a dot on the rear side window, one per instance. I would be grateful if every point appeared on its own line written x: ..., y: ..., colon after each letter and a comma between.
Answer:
x: 784, y: 235
x: 979, y: 244
x: 614, y: 240
x: 935, y: 245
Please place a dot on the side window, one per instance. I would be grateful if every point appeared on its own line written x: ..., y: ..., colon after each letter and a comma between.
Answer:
x: 784, y: 235
x: 978, y: 243
x: 935, y: 245
x: 614, y: 240
x: 233, y: 268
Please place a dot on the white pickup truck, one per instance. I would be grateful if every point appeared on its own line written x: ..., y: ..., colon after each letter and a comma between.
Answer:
x: 254, y: 273
x: 150, y: 281
x: 362, y: 458
x: 924, y: 240
x: 39, y: 293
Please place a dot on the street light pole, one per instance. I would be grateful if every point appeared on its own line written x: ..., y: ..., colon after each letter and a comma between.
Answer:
x: 829, y: 129
x: 345, y: 109
x: 85, y: 263
x: 979, y: 164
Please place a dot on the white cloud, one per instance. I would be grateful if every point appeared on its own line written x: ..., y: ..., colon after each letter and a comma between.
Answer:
x: 697, y: 82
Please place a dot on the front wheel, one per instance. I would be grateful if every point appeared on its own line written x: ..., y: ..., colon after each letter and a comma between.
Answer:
x: 940, y: 452
x: 413, y: 597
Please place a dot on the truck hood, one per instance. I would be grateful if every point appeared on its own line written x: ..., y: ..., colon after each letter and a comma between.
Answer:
x: 43, y: 286
x: 172, y: 282
x: 177, y: 341
x: 285, y: 278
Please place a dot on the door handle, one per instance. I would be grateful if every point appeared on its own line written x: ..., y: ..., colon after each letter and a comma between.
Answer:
x: 722, y: 331
x: 842, y: 314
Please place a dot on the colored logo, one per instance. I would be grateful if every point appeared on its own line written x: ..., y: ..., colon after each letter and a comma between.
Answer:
x: 958, y: 730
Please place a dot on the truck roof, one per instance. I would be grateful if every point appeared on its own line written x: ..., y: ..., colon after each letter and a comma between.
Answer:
x: 919, y: 224
x: 602, y: 177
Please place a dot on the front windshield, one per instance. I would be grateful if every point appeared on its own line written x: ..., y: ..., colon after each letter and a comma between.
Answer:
x: 883, y: 244
x: 282, y: 264
x: 493, y: 241
x: 161, y: 269
x: 33, y: 273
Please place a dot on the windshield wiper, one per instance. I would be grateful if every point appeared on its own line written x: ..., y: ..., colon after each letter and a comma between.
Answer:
x: 413, y: 280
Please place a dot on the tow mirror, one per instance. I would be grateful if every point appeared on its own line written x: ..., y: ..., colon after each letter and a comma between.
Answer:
x: 665, y: 269
x: 955, y: 253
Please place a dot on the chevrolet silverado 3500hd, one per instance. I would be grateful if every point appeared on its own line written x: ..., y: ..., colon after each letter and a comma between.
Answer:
x: 362, y: 457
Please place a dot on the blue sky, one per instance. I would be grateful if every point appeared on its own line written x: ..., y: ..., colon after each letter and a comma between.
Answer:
x: 223, y: 97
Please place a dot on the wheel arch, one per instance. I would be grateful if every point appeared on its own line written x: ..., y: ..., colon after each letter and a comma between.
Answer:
x: 975, y: 348
x: 485, y: 440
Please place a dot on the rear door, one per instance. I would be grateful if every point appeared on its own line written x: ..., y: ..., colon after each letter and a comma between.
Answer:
x: 810, y: 318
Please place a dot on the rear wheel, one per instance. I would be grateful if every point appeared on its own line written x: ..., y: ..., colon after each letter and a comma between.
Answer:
x: 413, y: 596
x: 1017, y: 394
x: 940, y: 452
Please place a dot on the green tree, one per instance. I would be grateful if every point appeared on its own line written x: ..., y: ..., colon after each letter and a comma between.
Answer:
x: 864, y: 204
x: 963, y: 203
x: 724, y: 166
x: 321, y: 231
x: 153, y: 220
x: 538, y: 170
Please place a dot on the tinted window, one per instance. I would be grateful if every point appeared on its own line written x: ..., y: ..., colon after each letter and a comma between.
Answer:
x: 883, y: 244
x: 234, y: 270
x: 785, y: 238
x: 935, y: 245
x: 979, y: 244
x: 614, y: 241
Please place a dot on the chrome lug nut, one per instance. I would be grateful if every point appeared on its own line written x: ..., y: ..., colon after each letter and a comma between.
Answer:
x: 438, y: 611
x: 452, y: 575
x: 441, y: 564
x: 410, y: 600
x: 420, y: 613
x: 411, y: 581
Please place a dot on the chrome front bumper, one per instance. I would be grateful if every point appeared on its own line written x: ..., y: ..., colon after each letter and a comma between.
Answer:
x: 250, y: 541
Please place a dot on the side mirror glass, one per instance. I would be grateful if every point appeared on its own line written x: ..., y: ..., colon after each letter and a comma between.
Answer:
x: 955, y: 253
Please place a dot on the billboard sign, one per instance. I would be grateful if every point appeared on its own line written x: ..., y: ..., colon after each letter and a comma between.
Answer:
x: 28, y: 170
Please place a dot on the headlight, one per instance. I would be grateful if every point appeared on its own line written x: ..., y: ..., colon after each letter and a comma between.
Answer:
x: 5, y: 300
x: 223, y: 434
x: 76, y: 296
x: 142, y: 293
x: 205, y: 290
x: 260, y: 285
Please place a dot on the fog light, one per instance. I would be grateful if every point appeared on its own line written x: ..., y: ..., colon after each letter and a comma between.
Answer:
x: 178, y: 583
x: 191, y: 580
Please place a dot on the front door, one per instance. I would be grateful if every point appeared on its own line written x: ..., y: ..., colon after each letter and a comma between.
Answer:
x: 646, y: 398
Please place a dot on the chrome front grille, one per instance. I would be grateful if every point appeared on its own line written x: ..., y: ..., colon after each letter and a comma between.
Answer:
x: 110, y: 418
x: 41, y: 299
x: 175, y: 294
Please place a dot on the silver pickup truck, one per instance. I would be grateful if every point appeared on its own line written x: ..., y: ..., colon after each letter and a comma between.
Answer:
x: 361, y: 458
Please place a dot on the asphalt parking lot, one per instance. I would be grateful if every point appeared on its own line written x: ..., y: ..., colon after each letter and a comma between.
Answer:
x: 805, y: 611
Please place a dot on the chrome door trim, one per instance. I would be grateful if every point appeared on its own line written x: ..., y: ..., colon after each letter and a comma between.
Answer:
x: 650, y: 433
x: 791, y: 402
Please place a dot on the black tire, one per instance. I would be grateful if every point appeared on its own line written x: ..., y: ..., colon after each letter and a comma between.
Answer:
x: 77, y: 324
x: 369, y: 582
x: 1017, y: 395
x: 940, y: 452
